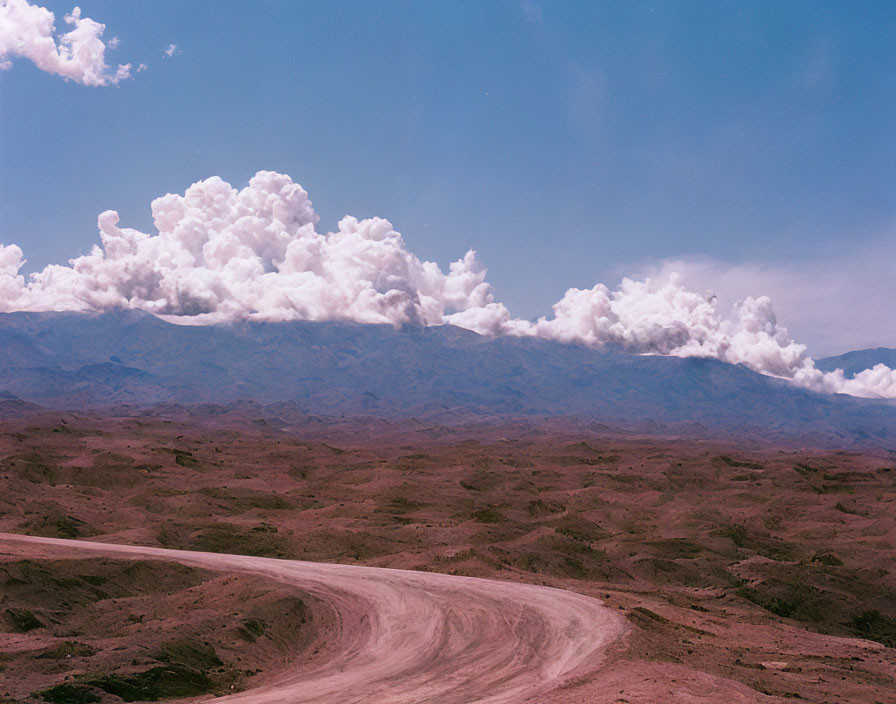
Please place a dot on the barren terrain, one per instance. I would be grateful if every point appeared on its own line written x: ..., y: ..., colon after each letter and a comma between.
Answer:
x: 745, y: 572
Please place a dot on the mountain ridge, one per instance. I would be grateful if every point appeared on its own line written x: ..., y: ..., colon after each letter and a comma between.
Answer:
x: 79, y: 360
x: 856, y: 361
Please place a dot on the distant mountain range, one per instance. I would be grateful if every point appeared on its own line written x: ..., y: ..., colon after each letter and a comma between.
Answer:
x: 445, y: 374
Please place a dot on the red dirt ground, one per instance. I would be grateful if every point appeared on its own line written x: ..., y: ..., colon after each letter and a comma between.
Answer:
x: 747, y: 572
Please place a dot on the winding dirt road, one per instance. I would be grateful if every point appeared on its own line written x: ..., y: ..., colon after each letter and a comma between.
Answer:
x: 406, y: 636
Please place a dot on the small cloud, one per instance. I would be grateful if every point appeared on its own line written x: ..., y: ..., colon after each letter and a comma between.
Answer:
x: 531, y: 11
x: 817, y: 68
x: 141, y: 67
x: 171, y: 50
x: 29, y: 31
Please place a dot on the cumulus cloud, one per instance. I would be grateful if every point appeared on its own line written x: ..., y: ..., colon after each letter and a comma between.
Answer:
x: 833, y: 303
x: 661, y: 316
x: 222, y: 254
x: 29, y: 31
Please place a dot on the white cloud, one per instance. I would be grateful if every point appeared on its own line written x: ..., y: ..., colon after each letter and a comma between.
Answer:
x: 223, y: 254
x: 531, y: 11
x: 832, y: 303
x: 661, y: 316
x: 29, y: 31
x: 170, y: 50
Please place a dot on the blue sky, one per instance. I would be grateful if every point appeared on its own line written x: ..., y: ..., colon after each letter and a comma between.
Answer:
x: 569, y: 143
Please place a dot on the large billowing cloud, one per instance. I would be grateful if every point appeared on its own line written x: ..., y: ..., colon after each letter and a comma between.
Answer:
x: 222, y: 254
x: 29, y: 31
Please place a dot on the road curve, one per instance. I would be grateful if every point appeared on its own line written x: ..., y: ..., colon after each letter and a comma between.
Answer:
x: 403, y: 636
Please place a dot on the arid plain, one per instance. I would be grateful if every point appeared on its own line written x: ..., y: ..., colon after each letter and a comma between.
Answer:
x: 743, y: 572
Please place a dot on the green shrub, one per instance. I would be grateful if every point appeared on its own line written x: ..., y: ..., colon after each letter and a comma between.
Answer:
x: 68, y: 694
x: 874, y: 625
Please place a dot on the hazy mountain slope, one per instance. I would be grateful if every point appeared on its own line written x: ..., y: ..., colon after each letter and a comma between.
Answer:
x: 853, y: 362
x: 70, y: 359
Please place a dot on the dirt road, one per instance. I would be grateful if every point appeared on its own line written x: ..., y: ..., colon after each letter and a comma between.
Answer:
x: 406, y: 636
